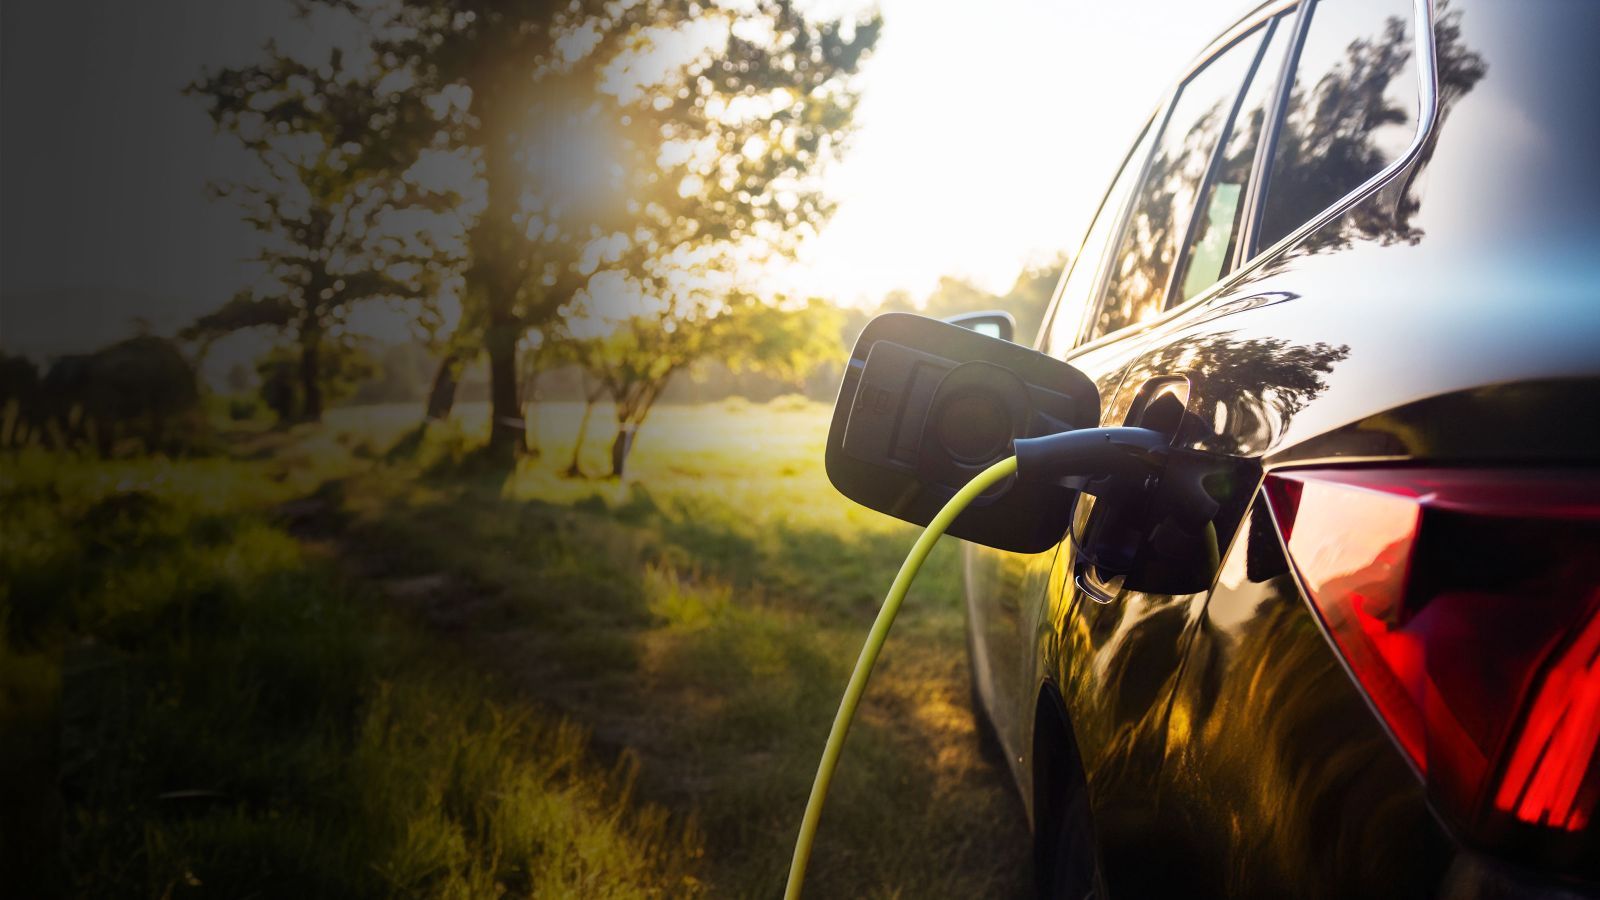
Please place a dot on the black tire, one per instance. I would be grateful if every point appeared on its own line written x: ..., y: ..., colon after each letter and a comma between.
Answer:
x: 1066, y: 869
x: 1065, y: 858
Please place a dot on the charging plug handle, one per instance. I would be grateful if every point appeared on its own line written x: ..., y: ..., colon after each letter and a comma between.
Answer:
x: 1117, y: 464
x: 1091, y: 452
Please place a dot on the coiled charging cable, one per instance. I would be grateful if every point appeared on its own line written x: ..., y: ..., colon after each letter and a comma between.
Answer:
x: 869, y: 655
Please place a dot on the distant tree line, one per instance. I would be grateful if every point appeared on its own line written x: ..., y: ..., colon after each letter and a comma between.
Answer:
x: 145, y: 392
x: 141, y: 390
x: 403, y: 371
x: 573, y: 195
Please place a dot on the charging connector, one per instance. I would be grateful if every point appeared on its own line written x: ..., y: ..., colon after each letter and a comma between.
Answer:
x: 1090, y: 452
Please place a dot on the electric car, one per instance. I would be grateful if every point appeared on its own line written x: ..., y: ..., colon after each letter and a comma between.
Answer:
x: 1353, y: 260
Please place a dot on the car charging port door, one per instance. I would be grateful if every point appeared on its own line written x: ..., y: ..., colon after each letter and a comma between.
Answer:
x: 926, y: 405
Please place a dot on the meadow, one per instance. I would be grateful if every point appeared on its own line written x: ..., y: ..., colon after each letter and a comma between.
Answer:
x: 350, y: 660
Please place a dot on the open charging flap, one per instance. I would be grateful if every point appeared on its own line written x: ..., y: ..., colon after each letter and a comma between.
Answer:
x: 925, y: 405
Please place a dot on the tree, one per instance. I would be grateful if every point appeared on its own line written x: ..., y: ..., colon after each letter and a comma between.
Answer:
x: 1030, y: 296
x: 142, y: 388
x: 340, y: 220
x: 725, y: 154
x: 786, y: 343
x: 449, y: 338
x: 19, y: 399
x: 635, y: 358
x: 665, y: 124
x: 1027, y: 300
x: 954, y: 296
x: 565, y: 349
x: 344, y: 365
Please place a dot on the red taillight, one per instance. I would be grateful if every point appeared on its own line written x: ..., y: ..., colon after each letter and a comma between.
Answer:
x: 1467, y: 605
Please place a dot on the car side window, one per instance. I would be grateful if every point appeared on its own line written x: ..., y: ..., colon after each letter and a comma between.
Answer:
x: 1352, y: 110
x: 1141, y: 269
x: 1077, y: 287
x: 1218, y: 220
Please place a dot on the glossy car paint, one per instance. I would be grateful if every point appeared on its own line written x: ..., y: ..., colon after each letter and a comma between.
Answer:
x: 1451, y: 315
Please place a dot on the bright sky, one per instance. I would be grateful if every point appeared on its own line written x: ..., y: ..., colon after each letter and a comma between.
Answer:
x: 986, y: 132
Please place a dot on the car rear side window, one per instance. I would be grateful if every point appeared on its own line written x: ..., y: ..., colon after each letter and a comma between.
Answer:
x: 1136, y: 286
x: 1352, y: 110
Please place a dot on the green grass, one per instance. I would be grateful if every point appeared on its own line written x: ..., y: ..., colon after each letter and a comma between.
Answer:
x: 434, y: 679
x: 705, y: 613
x: 198, y: 704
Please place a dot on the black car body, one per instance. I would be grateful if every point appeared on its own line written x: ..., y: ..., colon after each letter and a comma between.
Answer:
x: 1355, y: 256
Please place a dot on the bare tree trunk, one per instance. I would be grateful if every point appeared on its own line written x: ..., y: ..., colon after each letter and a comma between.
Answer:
x: 528, y: 393
x: 497, y: 271
x: 591, y: 396
x: 311, y: 374
x: 633, y: 407
x: 575, y: 468
x: 507, y: 431
x: 442, y: 396
x: 621, y: 446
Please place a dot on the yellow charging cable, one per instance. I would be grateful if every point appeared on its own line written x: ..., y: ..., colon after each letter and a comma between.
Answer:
x: 869, y: 655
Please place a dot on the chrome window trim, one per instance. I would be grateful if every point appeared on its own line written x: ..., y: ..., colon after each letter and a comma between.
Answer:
x: 1157, y: 120
x: 1180, y: 266
x: 1427, y: 119
x: 1241, y: 29
x: 1249, y: 22
x: 1262, y: 166
x: 1045, y: 328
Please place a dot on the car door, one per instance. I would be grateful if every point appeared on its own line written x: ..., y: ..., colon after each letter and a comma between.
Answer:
x: 1023, y: 609
x: 1222, y: 371
x: 1112, y: 635
x: 1273, y: 778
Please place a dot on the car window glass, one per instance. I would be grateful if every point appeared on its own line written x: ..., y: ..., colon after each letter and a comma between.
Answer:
x: 1137, y: 283
x: 1351, y: 112
x: 1082, y: 277
x: 1221, y: 211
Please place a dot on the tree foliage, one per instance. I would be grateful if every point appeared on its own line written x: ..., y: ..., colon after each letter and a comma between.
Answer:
x: 1027, y: 300
x: 675, y: 130
x: 633, y: 360
x: 141, y: 389
x: 345, y: 365
x: 342, y: 220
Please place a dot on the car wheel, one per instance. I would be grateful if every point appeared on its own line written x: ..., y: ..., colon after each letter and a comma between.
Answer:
x: 1065, y: 863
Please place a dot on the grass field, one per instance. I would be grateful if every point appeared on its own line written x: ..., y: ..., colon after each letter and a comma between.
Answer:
x: 347, y: 660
